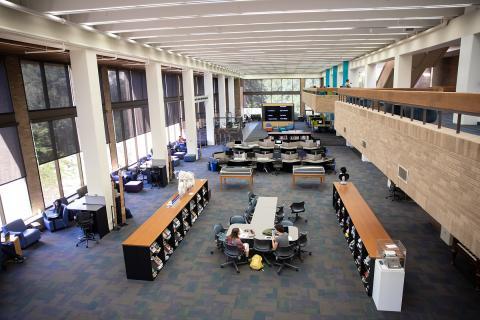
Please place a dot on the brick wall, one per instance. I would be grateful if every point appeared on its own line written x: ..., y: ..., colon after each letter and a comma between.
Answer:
x: 443, y: 167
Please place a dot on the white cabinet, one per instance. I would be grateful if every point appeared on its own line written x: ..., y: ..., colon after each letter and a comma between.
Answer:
x: 387, y: 287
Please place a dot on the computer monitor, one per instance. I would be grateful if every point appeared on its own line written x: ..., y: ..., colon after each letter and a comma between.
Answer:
x: 238, y: 142
x: 278, y: 141
x: 250, y: 155
x: 229, y: 153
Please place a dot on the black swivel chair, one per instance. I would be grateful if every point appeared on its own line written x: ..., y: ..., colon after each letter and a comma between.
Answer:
x: 283, y: 256
x: 251, y: 197
x: 237, y: 219
x: 234, y: 257
x: 263, y: 247
x: 286, y: 223
x: 220, y: 234
x: 279, y: 215
x: 296, y: 208
x: 302, y: 243
x: 85, y: 222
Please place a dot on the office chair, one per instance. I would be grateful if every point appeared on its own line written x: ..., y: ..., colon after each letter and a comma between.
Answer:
x: 286, y: 223
x: 220, y: 234
x: 278, y: 166
x: 237, y: 219
x: 251, y: 196
x: 233, y: 257
x: 262, y: 247
x: 283, y: 255
x: 302, y: 243
x: 279, y: 215
x: 85, y: 222
x: 393, y: 191
x: 296, y: 208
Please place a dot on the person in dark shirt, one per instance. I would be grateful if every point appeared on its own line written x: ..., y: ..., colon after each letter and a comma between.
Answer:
x: 281, y: 238
x: 234, y: 240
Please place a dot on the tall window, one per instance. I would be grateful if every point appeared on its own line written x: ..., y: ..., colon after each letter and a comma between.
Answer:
x: 5, y: 99
x: 259, y: 91
x: 47, y: 85
x: 310, y: 83
x: 58, y: 157
x: 127, y: 85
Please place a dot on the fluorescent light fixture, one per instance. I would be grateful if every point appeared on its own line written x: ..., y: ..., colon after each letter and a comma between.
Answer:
x: 147, y: 45
x: 131, y: 41
x: 112, y: 35
x: 55, y: 18
x: 406, y: 27
x: 89, y: 28
x: 159, y: 49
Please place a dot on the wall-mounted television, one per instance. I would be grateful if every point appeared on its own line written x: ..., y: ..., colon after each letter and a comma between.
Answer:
x: 280, y: 112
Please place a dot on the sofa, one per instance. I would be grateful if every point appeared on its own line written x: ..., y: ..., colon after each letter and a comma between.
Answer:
x: 27, y: 236
x: 60, y: 223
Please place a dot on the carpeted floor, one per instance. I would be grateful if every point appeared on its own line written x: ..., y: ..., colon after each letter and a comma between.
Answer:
x: 60, y: 281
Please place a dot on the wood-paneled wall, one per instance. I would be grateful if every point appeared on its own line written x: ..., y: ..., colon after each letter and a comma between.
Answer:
x: 443, y: 167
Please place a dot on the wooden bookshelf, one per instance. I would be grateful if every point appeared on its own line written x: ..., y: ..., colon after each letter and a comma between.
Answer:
x: 149, y: 247
x: 361, y: 229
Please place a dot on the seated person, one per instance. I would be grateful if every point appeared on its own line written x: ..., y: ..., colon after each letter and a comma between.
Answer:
x: 181, y: 140
x: 234, y: 240
x: 281, y: 238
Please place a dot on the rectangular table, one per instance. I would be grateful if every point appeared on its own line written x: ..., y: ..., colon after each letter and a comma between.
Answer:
x: 311, y: 172
x: 236, y: 173
x: 263, y: 218
x: 95, y: 205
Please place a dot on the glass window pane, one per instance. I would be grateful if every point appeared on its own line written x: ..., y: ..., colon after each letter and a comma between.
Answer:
x: 48, y: 178
x: 11, y: 160
x: 137, y: 83
x: 15, y: 200
x: 57, y: 85
x: 149, y: 143
x: 139, y: 121
x: 83, y: 164
x: 117, y: 122
x: 267, y: 85
x: 296, y: 104
x: 120, y: 155
x: 113, y: 82
x: 131, y: 151
x: 65, y: 137
x: 286, y: 98
x: 267, y: 98
x: 5, y: 98
x: 287, y: 85
x: 276, y: 84
x: 253, y: 86
x: 124, y: 78
x: 296, y: 84
x: 70, y: 174
x: 171, y: 85
x: 253, y: 101
x: 128, y: 127
x: 32, y: 81
x: 43, y: 142
x: 142, y: 145
x: 276, y: 98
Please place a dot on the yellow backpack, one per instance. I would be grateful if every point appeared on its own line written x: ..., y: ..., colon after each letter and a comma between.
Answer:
x: 256, y: 262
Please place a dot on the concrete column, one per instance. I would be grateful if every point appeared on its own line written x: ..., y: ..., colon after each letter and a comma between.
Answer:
x: 19, y: 103
x: 370, y: 79
x: 238, y: 98
x: 327, y: 78
x: 90, y: 125
x: 353, y: 77
x: 302, y: 103
x: 222, y: 103
x: 468, y: 71
x: 334, y: 77
x: 190, y: 115
x: 402, y: 71
x: 156, y: 110
x: 209, y: 111
x: 231, y: 96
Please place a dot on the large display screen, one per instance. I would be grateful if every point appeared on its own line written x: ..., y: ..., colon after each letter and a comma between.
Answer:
x: 278, y: 113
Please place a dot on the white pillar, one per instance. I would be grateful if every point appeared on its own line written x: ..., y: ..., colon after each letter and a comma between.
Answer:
x: 402, y: 71
x: 231, y: 96
x: 209, y: 110
x: 468, y: 71
x: 353, y: 77
x: 370, y: 79
x: 156, y: 110
x: 90, y: 125
x: 190, y: 114
x: 222, y: 106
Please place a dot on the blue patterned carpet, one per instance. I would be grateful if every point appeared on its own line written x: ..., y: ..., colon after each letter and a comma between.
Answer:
x: 60, y: 281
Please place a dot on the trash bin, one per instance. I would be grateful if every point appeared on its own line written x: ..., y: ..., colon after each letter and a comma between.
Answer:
x: 213, y: 165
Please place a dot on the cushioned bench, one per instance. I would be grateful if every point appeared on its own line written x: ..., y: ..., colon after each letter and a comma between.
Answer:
x: 315, y: 172
x: 134, y: 186
x: 236, y: 173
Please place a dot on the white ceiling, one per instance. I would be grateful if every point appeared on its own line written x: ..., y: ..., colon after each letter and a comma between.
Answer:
x: 259, y: 36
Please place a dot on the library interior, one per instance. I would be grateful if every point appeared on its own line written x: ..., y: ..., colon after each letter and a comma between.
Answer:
x: 239, y: 159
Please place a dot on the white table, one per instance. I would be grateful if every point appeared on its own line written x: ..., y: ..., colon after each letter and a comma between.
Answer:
x: 263, y: 218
